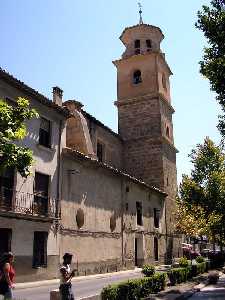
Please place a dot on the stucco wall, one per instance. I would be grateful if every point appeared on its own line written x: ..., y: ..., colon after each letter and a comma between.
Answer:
x: 101, y: 195
x: 113, y: 146
x: 46, y: 162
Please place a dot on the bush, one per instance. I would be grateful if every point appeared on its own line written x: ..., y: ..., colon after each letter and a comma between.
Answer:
x: 213, y: 277
x: 179, y: 275
x: 200, y: 259
x: 183, y: 262
x: 199, y: 268
x: 135, y: 289
x: 148, y: 270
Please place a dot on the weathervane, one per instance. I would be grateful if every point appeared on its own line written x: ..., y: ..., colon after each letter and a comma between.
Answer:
x: 140, y: 12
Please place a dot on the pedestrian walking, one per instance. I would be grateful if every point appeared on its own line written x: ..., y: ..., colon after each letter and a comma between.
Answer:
x: 66, y: 276
x: 7, y: 274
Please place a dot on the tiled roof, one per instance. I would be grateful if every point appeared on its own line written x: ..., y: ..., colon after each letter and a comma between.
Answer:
x: 140, y: 25
x: 26, y: 89
x: 82, y: 156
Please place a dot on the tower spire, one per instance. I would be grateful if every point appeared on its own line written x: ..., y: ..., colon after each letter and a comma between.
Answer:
x: 140, y: 12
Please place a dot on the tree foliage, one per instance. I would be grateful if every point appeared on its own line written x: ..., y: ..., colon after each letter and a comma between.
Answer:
x: 201, y: 202
x: 211, y: 21
x: 12, y: 129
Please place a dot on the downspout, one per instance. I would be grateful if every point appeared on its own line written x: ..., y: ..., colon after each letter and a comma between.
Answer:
x: 166, y: 231
x: 59, y: 186
x: 58, y: 202
x: 122, y: 220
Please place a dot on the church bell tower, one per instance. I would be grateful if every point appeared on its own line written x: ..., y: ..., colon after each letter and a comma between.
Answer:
x: 145, y: 111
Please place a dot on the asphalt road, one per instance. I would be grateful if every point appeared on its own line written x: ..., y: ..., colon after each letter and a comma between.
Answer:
x: 212, y: 292
x: 82, y: 288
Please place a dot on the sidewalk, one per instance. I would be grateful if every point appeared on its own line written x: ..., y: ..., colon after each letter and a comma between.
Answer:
x: 182, y: 291
x: 25, y: 285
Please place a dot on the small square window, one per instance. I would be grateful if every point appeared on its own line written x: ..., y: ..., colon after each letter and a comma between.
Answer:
x: 45, y: 133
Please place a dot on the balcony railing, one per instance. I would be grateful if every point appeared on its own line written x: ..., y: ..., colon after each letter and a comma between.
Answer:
x: 27, y: 204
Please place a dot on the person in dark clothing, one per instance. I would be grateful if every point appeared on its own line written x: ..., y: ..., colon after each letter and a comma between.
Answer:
x: 66, y: 276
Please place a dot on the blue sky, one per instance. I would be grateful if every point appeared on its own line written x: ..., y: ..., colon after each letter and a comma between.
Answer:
x: 72, y: 43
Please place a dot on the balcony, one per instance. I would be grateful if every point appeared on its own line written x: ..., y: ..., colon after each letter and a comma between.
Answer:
x: 28, y: 206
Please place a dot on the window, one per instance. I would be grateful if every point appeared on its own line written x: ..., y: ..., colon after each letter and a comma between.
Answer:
x: 156, y: 217
x: 137, y: 44
x: 6, y: 188
x: 41, y: 185
x: 167, y: 132
x: 5, y: 238
x: 164, y: 81
x: 139, y: 213
x: 137, y: 77
x: 156, y: 249
x: 149, y: 44
x: 40, y: 249
x: 126, y: 206
x: 100, y: 151
x: 45, y: 133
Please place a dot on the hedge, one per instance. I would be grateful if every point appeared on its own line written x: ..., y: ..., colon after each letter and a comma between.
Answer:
x: 135, y: 288
x: 179, y: 275
x: 199, y: 268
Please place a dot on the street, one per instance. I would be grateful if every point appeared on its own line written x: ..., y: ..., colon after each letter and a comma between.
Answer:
x: 82, y: 288
x: 211, y: 292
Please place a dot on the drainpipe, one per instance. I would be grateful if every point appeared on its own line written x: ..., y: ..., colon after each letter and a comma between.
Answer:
x: 122, y: 220
x: 166, y: 232
x: 58, y: 202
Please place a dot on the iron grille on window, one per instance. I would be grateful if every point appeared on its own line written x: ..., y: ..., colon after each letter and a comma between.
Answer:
x: 44, y: 133
x: 41, y: 194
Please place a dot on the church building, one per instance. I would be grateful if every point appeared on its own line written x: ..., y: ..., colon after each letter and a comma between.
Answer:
x: 106, y: 197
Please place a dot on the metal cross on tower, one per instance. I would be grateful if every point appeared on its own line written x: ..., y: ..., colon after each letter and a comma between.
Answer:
x: 140, y: 12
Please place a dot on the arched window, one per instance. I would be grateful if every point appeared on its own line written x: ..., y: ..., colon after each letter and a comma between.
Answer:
x: 137, y: 44
x: 149, y: 44
x: 164, y: 81
x: 137, y: 77
x: 167, y: 132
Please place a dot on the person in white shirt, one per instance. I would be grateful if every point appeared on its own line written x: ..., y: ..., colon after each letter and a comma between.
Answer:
x: 66, y: 276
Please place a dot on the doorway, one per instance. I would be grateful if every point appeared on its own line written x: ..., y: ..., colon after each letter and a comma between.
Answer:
x: 5, y: 238
x: 139, y: 250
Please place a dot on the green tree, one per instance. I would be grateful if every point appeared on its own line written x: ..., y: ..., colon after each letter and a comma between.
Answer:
x: 12, y: 129
x: 201, y: 203
x: 211, y: 21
